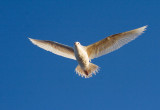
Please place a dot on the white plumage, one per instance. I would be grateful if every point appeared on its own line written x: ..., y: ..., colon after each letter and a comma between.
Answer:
x: 84, y: 54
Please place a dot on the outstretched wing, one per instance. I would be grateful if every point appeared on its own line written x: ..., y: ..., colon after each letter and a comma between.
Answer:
x: 112, y: 43
x: 55, y: 48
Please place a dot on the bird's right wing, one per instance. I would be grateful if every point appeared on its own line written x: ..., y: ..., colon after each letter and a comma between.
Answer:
x: 55, y: 48
x: 112, y: 42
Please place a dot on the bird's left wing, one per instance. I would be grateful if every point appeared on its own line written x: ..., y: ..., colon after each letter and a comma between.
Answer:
x: 112, y: 43
x: 55, y: 48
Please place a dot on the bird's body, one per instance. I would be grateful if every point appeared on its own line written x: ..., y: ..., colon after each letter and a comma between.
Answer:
x: 85, y: 68
x: 81, y: 55
x: 84, y: 54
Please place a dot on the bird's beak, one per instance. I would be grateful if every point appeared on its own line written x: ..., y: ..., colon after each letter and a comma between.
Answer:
x: 75, y: 43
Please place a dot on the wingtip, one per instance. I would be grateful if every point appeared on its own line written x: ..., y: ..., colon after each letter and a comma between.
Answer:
x: 32, y: 40
x: 29, y: 38
x: 142, y: 29
x: 146, y: 26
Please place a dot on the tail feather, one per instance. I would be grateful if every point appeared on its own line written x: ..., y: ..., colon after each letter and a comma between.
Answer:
x: 92, y: 69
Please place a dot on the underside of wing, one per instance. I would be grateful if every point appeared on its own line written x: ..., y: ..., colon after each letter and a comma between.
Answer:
x: 55, y: 48
x: 112, y: 42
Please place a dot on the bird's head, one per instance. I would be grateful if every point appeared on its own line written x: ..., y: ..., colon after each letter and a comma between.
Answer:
x: 76, y: 43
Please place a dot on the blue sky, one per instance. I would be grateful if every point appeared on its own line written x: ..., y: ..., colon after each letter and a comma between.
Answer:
x: 34, y: 79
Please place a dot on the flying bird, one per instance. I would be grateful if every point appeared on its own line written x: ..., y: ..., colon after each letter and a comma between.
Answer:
x: 84, y: 54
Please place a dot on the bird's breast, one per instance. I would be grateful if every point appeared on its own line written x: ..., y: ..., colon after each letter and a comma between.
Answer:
x: 81, y: 56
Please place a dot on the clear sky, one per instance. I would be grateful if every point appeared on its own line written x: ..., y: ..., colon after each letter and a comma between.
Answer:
x: 34, y: 79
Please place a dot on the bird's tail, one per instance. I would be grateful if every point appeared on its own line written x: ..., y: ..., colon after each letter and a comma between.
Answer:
x: 91, y: 69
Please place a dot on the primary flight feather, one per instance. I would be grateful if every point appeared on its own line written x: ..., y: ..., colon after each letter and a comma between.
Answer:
x: 84, y: 54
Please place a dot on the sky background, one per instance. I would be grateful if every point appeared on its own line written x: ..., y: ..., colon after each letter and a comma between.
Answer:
x: 34, y: 79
